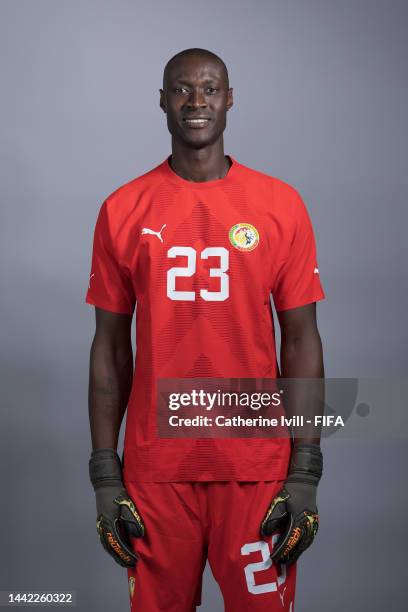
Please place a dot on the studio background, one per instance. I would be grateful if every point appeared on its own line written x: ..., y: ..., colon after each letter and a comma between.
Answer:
x: 320, y: 92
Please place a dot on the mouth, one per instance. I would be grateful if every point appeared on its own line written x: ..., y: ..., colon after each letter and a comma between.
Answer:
x: 197, y: 122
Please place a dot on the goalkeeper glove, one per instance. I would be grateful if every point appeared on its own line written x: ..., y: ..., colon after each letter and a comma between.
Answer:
x: 293, y: 511
x: 117, y: 517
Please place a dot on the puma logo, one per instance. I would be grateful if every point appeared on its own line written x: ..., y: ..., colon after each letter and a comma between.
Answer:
x: 147, y: 230
x: 282, y: 595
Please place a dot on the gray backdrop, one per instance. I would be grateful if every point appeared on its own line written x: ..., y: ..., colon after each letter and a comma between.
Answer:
x: 320, y: 101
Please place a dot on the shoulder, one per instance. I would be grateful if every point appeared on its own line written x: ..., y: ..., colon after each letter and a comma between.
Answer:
x: 122, y: 207
x: 128, y: 193
x: 281, y: 194
x: 123, y: 203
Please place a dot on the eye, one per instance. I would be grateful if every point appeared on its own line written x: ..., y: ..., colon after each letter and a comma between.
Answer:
x: 180, y: 90
x: 212, y: 90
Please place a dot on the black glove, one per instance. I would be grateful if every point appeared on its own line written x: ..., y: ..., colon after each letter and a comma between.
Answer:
x: 117, y: 517
x: 293, y: 511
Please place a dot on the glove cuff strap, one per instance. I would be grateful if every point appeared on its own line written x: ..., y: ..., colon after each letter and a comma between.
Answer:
x: 105, y: 468
x: 306, y: 464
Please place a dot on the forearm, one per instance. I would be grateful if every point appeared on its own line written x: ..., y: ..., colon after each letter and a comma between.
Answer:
x: 302, y: 358
x: 110, y: 383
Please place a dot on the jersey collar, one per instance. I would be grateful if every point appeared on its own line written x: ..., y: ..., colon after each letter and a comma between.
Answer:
x: 178, y: 180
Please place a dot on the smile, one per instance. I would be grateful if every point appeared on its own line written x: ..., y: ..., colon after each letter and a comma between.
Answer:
x: 196, y: 123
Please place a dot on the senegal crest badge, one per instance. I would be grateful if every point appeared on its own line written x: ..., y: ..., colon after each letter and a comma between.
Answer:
x: 244, y: 236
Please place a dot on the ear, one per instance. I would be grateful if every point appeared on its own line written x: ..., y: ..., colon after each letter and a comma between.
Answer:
x: 163, y: 101
x: 230, y: 99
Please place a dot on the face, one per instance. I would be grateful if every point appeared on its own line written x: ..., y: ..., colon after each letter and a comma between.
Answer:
x: 196, y: 99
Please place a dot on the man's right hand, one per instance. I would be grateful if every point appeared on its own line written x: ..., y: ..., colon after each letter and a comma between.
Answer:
x: 117, y: 517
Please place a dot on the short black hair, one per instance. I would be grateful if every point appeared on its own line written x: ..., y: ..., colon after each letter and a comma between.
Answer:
x: 198, y: 52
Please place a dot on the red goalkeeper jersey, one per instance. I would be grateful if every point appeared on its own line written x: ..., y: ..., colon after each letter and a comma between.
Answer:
x: 201, y: 261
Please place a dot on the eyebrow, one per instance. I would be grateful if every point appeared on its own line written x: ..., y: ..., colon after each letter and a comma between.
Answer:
x: 207, y: 82
x: 183, y: 81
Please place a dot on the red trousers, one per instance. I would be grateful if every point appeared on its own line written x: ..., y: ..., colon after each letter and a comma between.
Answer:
x: 186, y: 523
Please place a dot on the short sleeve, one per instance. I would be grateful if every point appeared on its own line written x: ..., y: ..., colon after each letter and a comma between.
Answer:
x: 297, y: 280
x: 110, y: 286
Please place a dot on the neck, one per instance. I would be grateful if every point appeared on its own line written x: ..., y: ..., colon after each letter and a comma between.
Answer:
x: 199, y: 165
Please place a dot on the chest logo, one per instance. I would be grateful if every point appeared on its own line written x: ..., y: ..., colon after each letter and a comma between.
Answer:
x: 244, y: 236
x: 147, y: 230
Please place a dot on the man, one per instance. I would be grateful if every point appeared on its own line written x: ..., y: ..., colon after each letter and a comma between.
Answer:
x: 200, y: 243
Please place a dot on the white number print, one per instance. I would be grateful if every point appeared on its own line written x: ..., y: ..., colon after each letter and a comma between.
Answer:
x: 174, y: 272
x: 222, y: 294
x: 190, y: 269
x: 252, y: 568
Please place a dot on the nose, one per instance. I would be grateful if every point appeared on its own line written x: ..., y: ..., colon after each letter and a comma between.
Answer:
x: 196, y: 99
